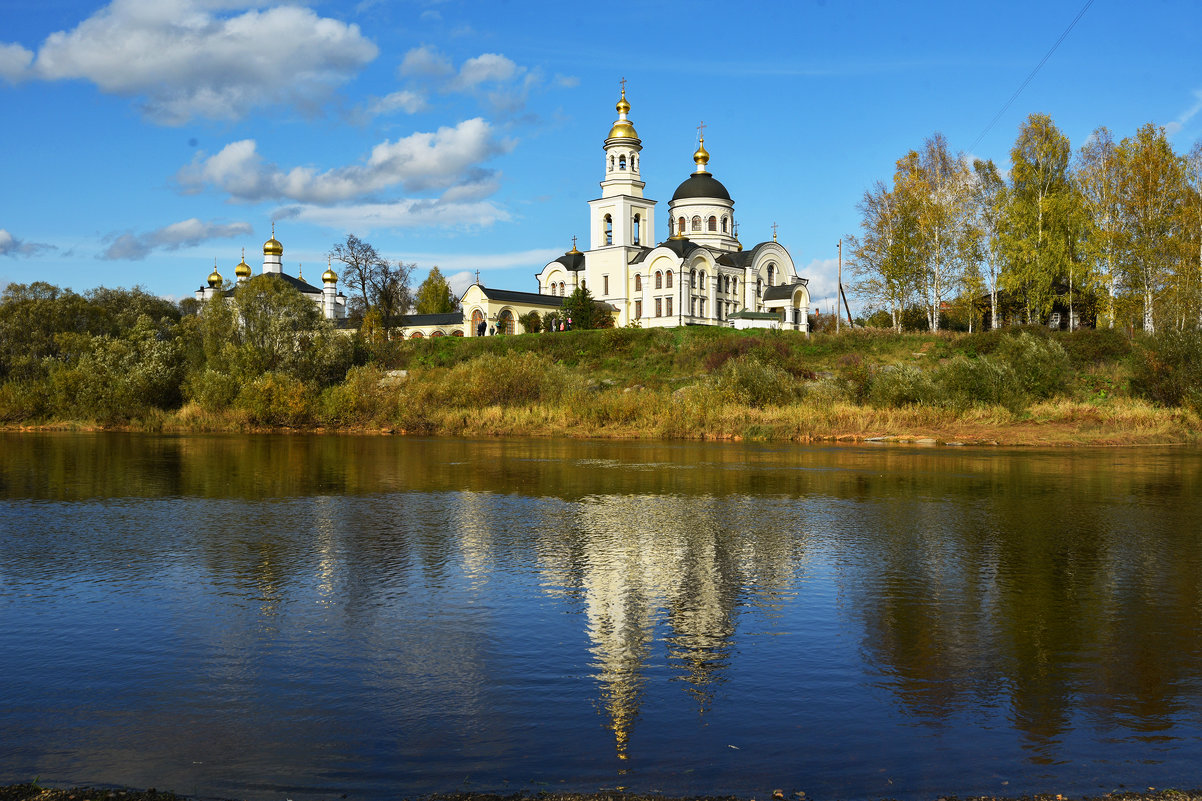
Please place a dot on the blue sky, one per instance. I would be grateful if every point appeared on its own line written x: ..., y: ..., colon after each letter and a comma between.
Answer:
x: 143, y: 139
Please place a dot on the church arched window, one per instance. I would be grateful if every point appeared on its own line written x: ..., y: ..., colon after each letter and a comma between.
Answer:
x: 724, y: 224
x: 611, y: 163
x: 634, y: 162
x: 734, y: 285
x: 695, y: 223
x: 713, y: 224
x: 638, y: 239
x: 771, y: 275
x: 622, y: 162
x: 701, y: 283
x: 659, y: 280
x: 609, y: 229
x: 692, y: 279
x: 759, y: 288
x: 638, y: 282
x: 680, y: 226
x: 668, y: 279
x: 561, y: 289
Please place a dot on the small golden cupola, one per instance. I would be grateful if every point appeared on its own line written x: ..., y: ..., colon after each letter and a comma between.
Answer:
x: 622, y: 127
x: 701, y: 156
x: 215, y: 277
x: 329, y: 276
x: 242, y: 271
x: 272, y: 247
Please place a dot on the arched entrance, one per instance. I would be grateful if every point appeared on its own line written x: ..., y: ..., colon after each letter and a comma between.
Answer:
x: 416, y: 335
x: 505, y: 322
x: 477, y: 320
x: 436, y: 334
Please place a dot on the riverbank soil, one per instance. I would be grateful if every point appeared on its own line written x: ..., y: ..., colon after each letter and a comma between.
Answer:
x: 32, y: 792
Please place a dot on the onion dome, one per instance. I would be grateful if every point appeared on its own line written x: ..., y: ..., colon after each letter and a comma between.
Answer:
x: 272, y: 247
x: 622, y: 127
x: 701, y: 156
x: 243, y: 269
x: 329, y: 276
x: 215, y: 277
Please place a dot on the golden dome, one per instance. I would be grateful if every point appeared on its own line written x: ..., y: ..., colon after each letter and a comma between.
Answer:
x: 243, y: 269
x: 622, y: 128
x: 272, y: 247
x: 329, y: 277
x: 215, y: 277
x: 702, y: 156
x: 623, y: 107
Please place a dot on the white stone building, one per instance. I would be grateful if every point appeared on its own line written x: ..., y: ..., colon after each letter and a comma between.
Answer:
x: 699, y: 275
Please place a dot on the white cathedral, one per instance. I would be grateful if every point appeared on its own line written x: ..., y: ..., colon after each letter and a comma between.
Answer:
x: 699, y: 275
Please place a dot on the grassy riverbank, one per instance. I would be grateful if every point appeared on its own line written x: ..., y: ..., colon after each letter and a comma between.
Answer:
x: 1014, y: 387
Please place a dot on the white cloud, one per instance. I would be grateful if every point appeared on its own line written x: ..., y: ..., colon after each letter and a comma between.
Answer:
x: 183, y: 60
x: 495, y: 80
x: 1175, y: 127
x: 14, y: 62
x: 460, y: 281
x: 448, y: 157
x: 409, y: 102
x: 486, y: 68
x: 407, y: 213
x: 425, y: 62
x: 186, y: 233
x: 11, y: 246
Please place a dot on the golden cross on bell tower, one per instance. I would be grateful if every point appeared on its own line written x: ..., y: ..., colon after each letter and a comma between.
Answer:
x: 573, y: 244
x: 701, y: 131
x: 623, y: 84
x: 773, y: 232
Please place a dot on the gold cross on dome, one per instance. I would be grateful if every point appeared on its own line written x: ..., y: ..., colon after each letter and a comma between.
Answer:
x: 774, y: 232
x: 701, y: 131
x: 573, y: 243
x: 623, y: 83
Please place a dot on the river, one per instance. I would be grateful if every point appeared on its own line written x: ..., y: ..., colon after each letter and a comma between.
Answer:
x: 302, y: 617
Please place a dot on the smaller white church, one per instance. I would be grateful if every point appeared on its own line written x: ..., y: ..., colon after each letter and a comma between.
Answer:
x: 331, y: 302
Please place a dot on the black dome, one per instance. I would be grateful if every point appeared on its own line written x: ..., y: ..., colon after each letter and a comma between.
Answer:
x: 701, y: 184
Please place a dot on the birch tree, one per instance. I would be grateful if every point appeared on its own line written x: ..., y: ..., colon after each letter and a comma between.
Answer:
x: 989, y: 198
x: 1037, y: 239
x: 1096, y: 177
x: 1150, y: 196
x: 1191, y: 228
x: 939, y: 183
x: 882, y: 262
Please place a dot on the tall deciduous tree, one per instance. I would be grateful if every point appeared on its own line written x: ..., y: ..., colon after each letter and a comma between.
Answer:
x: 1191, y: 229
x: 1038, y: 238
x: 434, y: 296
x: 938, y: 180
x: 363, y: 269
x: 884, y: 258
x: 1151, y: 194
x: 989, y: 199
x: 1096, y: 177
x: 391, y: 294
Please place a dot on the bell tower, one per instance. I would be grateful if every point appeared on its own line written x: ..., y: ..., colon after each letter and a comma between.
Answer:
x: 621, y: 216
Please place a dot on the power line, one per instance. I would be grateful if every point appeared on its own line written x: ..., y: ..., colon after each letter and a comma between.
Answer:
x: 1042, y: 61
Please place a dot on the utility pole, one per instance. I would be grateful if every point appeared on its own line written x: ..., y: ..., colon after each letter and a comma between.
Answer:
x: 839, y: 316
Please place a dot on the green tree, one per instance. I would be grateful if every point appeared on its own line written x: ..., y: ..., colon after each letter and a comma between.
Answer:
x: 1151, y: 196
x: 586, y: 312
x: 434, y: 296
x: 938, y: 181
x: 989, y: 200
x: 391, y: 293
x: 885, y: 259
x: 1096, y: 179
x: 1038, y: 235
x: 532, y: 322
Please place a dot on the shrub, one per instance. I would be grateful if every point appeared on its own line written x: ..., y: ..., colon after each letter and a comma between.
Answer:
x: 901, y: 386
x: 366, y: 396
x: 750, y: 382
x: 1167, y: 369
x: 211, y: 389
x: 508, y: 379
x: 276, y: 399
x: 962, y: 383
x: 1090, y: 346
x: 532, y: 322
x: 1040, y: 364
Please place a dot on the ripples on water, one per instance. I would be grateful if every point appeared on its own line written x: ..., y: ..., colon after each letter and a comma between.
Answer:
x: 254, y: 617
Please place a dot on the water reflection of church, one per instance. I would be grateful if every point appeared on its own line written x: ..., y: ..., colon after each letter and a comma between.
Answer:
x: 652, y: 567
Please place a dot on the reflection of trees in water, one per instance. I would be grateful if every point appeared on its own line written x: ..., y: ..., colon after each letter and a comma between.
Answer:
x: 640, y: 562
x: 1055, y: 593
